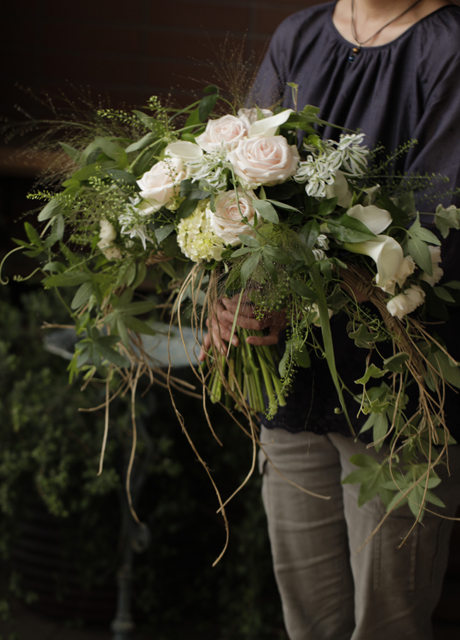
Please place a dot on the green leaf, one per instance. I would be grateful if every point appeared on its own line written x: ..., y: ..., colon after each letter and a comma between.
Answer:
x: 89, y: 171
x: 135, y: 308
x: 206, y: 106
x: 277, y: 254
x: 266, y: 210
x: 249, y: 241
x: 443, y: 294
x: 163, y: 232
x: 67, y: 279
x: 82, y: 296
x: 122, y: 178
x: 364, y: 338
x: 186, y: 208
x: 242, y: 252
x: 111, y: 355
x: 32, y: 234
x: 53, y: 207
x: 348, y: 229
x: 370, y: 475
x: 443, y: 364
x: 139, y: 326
x: 396, y: 363
x: 141, y: 272
x: 270, y: 267
x: 249, y: 267
x: 309, y: 233
x: 421, y: 254
x: 327, y: 207
x: 149, y: 122
x: 417, y: 231
x: 144, y: 142
x: 446, y: 219
x: 372, y: 371
x: 74, y: 154
x: 380, y: 430
x: 302, y: 289
x: 193, y: 119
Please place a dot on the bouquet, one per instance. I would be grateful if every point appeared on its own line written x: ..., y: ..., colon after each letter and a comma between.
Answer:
x: 174, y: 205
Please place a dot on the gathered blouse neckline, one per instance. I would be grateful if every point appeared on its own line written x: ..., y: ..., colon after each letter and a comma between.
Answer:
x: 387, y: 45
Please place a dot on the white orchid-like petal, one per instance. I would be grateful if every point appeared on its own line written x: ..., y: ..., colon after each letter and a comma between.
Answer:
x: 339, y: 189
x: 375, y: 219
x: 183, y: 150
x: 386, y: 253
x: 269, y: 126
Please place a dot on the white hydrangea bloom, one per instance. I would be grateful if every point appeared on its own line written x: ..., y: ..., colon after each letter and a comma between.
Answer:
x: 196, y: 238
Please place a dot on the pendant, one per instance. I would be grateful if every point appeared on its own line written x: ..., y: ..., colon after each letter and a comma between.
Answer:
x: 352, y: 56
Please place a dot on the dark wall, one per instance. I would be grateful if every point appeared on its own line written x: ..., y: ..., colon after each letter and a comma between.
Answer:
x: 131, y: 49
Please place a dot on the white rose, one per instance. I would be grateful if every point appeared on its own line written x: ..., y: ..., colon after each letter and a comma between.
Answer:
x: 437, y: 271
x: 339, y: 189
x: 375, y: 219
x: 406, y: 269
x: 162, y: 183
x: 226, y: 131
x: 107, y: 235
x: 227, y: 220
x: 406, y: 302
x: 264, y: 160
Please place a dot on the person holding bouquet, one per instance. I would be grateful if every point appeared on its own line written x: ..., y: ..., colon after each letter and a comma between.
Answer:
x: 390, y: 68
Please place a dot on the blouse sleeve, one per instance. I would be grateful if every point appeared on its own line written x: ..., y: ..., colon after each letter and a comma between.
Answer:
x: 438, y: 151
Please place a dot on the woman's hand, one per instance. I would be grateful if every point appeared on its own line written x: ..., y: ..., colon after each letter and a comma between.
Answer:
x: 221, y: 323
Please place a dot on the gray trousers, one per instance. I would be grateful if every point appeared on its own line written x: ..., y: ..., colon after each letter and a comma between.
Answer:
x: 328, y: 590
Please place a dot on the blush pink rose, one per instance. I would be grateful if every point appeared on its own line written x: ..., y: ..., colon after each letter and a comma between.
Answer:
x: 264, y: 160
x: 162, y: 183
x: 227, y: 220
x: 228, y: 130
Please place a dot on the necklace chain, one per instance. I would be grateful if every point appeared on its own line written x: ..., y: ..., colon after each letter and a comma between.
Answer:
x: 353, y: 24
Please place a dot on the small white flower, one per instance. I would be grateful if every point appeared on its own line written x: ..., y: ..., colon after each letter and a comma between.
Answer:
x: 437, y: 271
x: 107, y: 235
x: 406, y: 302
x: 406, y: 269
x: 339, y: 189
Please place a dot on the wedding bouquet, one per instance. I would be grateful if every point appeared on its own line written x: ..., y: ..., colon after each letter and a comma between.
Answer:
x: 255, y: 205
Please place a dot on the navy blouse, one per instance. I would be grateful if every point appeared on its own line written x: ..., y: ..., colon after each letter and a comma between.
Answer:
x: 406, y: 89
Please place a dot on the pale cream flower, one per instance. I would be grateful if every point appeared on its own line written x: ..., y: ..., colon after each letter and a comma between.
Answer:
x: 339, y: 189
x: 226, y: 131
x: 264, y: 160
x: 375, y: 219
x: 437, y: 271
x: 406, y: 269
x: 386, y: 253
x: 227, y: 220
x: 107, y: 235
x: 406, y: 302
x: 161, y: 184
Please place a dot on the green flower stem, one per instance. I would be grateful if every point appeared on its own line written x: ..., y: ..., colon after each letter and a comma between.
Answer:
x: 268, y: 353
x: 255, y: 376
x: 216, y: 383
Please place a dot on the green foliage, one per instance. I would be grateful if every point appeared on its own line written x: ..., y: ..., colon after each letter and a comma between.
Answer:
x: 50, y: 453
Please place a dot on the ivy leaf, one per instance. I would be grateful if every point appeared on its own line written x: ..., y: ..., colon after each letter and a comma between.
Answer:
x: 372, y: 371
x: 396, y: 363
x: 370, y: 475
x: 364, y: 338
x: 446, y: 219
x: 443, y: 294
x: 417, y: 231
